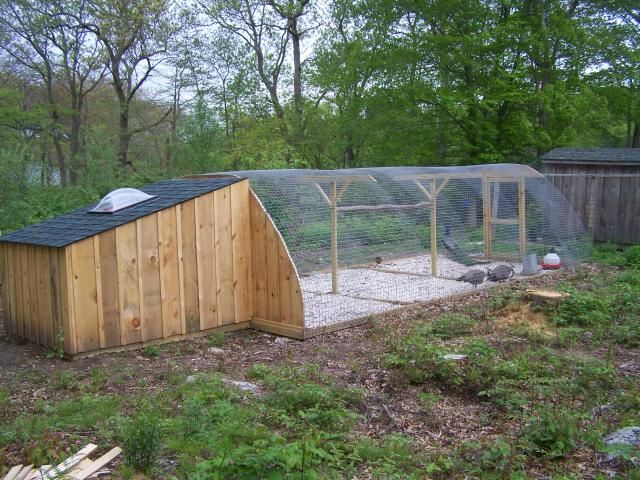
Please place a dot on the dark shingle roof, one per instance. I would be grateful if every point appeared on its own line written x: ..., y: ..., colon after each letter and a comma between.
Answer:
x: 586, y: 155
x: 79, y: 224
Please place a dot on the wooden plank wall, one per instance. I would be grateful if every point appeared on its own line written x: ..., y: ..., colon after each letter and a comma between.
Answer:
x: 178, y: 271
x: 214, y: 261
x: 31, y: 282
x: 277, y: 294
x: 616, y: 213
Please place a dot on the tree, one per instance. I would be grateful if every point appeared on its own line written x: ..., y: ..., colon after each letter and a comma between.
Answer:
x: 267, y: 27
x: 622, y: 77
x: 134, y: 34
x: 81, y: 70
x: 27, y: 43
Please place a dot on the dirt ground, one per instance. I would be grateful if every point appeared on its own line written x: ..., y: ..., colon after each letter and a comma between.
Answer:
x: 351, y: 357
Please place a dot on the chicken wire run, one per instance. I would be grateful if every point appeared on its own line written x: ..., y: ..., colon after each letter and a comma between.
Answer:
x: 368, y: 240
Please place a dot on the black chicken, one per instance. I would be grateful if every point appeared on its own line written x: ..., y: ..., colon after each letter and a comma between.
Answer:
x: 453, y: 249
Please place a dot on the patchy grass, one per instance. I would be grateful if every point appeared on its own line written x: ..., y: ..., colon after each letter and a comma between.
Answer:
x: 537, y: 390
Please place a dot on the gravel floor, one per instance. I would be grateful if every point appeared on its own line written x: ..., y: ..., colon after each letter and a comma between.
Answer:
x: 366, y: 291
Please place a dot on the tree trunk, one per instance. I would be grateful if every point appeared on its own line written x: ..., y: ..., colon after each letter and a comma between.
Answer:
x: 61, y: 160
x: 75, y: 159
x: 56, y: 136
x: 297, y: 79
x: 349, y: 157
x: 124, y: 137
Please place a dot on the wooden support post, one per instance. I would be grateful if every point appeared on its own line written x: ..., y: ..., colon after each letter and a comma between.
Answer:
x: 522, y: 216
x: 334, y: 237
x: 434, y: 230
x: 486, y: 216
x: 592, y: 204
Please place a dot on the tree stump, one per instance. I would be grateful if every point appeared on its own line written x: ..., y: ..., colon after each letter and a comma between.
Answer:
x: 541, y: 298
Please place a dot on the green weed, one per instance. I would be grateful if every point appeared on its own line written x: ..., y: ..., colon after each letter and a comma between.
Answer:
x: 258, y: 371
x: 4, y: 403
x: 151, y: 351
x: 216, y: 339
x: 451, y: 325
x: 64, y: 380
x: 140, y: 437
x: 553, y: 432
x: 632, y: 257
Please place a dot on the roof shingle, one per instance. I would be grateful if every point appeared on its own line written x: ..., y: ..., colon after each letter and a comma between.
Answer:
x: 612, y: 155
x: 79, y: 224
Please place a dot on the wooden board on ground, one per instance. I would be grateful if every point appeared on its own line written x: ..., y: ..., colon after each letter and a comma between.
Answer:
x: 77, y: 467
x: 70, y: 462
x: 91, y: 468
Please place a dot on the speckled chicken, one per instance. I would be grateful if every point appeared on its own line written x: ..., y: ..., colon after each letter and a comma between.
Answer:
x: 500, y: 273
x: 475, y: 277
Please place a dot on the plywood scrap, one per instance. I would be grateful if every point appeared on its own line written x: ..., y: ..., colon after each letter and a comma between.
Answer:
x: 89, y: 470
x: 18, y: 472
x: 24, y: 473
x: 13, y: 473
x: 70, y: 462
x: 39, y: 473
x: 76, y: 467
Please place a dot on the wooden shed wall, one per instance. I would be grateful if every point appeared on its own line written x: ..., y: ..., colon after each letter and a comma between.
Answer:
x: 216, y: 261
x: 33, y: 291
x: 277, y: 294
x: 607, y: 198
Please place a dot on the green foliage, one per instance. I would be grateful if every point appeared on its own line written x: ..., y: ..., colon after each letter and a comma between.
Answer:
x: 632, y: 257
x: 140, y: 437
x: 365, y: 231
x: 608, y: 254
x: 258, y: 371
x: 584, y: 308
x: 298, y: 427
x: 4, y: 404
x: 216, y: 339
x: 64, y: 380
x: 58, y: 350
x: 151, y: 351
x: 553, y: 432
x: 451, y: 325
x: 510, y: 380
x: 497, y: 458
x: 81, y: 413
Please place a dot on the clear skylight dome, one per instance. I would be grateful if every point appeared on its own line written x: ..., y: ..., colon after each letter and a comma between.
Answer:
x: 119, y: 199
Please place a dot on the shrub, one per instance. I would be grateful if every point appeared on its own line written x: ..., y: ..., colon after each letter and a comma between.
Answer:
x: 258, y: 371
x: 140, y: 437
x: 216, y: 339
x: 585, y: 309
x: 151, y: 351
x: 64, y: 380
x: 451, y: 325
x: 632, y: 257
x: 608, y: 254
x: 553, y: 432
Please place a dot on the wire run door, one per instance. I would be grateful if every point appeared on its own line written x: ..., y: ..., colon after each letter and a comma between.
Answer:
x: 504, y: 217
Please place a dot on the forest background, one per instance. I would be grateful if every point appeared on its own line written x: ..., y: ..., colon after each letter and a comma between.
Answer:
x: 96, y: 94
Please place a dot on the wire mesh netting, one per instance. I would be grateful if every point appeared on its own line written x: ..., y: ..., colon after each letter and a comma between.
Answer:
x: 368, y: 240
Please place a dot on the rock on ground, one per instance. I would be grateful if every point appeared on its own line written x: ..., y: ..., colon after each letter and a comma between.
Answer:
x: 244, y: 386
x: 628, y: 436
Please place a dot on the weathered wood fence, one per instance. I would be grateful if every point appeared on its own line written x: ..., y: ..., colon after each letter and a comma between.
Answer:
x: 608, y: 203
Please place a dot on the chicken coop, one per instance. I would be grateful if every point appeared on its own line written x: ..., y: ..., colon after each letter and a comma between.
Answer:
x: 170, y: 261
x: 292, y: 252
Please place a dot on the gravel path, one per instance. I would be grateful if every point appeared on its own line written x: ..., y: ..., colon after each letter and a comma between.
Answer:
x: 367, y: 291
